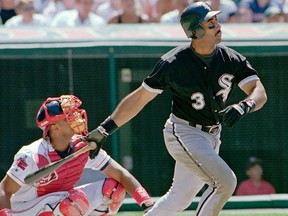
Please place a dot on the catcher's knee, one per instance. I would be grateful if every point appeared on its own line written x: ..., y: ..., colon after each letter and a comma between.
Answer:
x: 76, y: 204
x: 114, y: 193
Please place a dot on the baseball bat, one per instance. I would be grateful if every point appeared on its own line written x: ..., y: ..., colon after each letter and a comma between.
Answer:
x: 49, y: 168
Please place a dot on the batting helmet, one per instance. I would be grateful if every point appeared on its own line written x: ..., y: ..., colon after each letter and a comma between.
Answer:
x: 66, y: 106
x: 193, y: 16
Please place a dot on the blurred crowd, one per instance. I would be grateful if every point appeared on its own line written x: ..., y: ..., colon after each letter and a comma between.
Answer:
x: 68, y: 13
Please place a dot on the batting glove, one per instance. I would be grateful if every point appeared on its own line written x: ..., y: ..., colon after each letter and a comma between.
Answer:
x: 100, y: 134
x: 6, y: 212
x: 233, y: 113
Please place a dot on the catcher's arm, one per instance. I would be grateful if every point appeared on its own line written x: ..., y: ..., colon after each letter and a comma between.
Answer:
x: 7, y: 187
x: 130, y: 184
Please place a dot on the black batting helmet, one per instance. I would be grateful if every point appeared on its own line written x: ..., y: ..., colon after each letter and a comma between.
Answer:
x: 193, y: 16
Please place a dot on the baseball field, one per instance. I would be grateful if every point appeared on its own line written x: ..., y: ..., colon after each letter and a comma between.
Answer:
x: 253, y: 205
x: 222, y: 214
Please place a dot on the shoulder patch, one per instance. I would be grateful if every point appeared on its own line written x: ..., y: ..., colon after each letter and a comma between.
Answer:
x: 21, y: 163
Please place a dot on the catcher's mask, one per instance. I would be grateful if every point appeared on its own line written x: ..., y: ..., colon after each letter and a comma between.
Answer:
x: 66, y: 106
x: 193, y: 16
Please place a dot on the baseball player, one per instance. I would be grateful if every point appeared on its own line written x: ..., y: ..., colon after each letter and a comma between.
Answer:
x: 64, y: 124
x: 200, y: 76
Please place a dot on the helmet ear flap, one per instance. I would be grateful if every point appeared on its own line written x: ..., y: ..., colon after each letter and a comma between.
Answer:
x: 198, y: 32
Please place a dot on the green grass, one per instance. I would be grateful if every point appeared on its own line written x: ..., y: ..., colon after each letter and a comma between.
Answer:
x: 191, y: 214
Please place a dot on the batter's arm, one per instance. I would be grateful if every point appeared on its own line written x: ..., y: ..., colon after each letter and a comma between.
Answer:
x: 131, y: 105
x: 256, y: 98
x: 7, y: 187
x: 255, y: 91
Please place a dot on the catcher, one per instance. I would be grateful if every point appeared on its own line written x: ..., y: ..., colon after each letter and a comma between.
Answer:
x: 64, y: 124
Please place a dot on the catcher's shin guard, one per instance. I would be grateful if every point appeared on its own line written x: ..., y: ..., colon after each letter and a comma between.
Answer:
x: 6, y: 212
x: 76, y: 204
x: 46, y: 214
x: 114, y: 193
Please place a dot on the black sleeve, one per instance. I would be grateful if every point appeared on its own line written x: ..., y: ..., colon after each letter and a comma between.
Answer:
x: 242, y: 67
x: 159, y: 77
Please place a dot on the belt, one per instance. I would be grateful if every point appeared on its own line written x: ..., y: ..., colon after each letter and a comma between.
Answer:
x: 209, y: 129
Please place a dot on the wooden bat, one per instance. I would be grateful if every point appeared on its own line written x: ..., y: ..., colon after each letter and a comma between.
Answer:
x: 49, y: 168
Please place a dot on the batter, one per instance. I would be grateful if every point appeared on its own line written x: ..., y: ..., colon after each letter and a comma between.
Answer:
x: 200, y: 76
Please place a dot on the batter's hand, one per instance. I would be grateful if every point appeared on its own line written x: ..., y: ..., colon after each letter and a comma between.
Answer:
x: 99, y: 136
x: 233, y: 113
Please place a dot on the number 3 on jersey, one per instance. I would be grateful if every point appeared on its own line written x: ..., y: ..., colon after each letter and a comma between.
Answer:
x: 199, y: 98
x: 226, y: 84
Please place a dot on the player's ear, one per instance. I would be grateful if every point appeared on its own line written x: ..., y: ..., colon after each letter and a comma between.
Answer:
x: 54, y: 128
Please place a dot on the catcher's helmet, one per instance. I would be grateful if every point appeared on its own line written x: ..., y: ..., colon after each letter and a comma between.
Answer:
x: 66, y: 106
x: 193, y: 16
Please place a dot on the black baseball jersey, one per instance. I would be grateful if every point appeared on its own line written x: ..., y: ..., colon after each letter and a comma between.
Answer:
x: 200, y: 90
